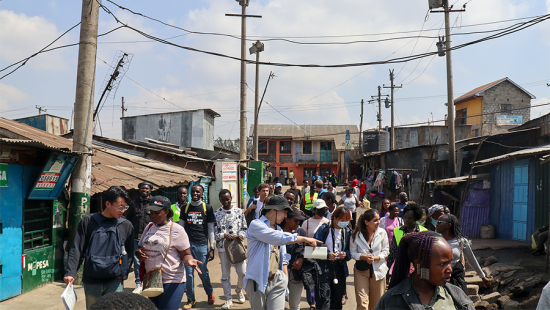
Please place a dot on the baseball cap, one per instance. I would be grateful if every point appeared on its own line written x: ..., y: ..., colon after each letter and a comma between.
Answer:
x: 278, y: 203
x: 296, y: 214
x: 319, y: 204
x: 158, y: 203
x: 278, y: 185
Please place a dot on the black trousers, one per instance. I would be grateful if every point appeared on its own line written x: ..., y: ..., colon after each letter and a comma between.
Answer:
x: 328, y: 295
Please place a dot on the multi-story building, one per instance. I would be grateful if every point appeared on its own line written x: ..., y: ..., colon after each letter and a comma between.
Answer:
x: 306, y: 149
x: 494, y: 108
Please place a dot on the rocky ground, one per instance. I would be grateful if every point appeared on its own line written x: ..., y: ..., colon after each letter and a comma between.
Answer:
x: 517, y: 279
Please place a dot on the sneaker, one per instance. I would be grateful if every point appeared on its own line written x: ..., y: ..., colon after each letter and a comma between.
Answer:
x: 190, y: 304
x: 227, y: 305
x: 138, y: 289
x: 211, y: 299
x: 241, y: 297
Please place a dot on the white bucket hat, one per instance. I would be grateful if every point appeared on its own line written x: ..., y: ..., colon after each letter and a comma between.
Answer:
x: 319, y: 204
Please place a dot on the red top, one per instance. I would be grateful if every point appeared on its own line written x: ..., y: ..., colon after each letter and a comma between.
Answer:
x: 363, y: 189
x: 354, y: 183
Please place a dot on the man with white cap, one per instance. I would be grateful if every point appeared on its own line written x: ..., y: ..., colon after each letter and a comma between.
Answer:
x: 320, y: 210
x: 265, y: 282
x: 434, y: 212
x: 278, y: 190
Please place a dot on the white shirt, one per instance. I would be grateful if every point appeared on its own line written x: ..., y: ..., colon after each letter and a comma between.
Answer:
x: 379, y: 246
x: 334, y: 247
x: 259, y: 206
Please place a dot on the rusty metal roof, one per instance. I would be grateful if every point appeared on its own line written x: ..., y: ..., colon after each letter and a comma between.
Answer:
x: 454, y: 181
x: 539, y: 150
x: 23, y: 133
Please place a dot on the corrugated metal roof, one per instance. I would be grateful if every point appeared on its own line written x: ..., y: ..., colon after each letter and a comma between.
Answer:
x: 19, y: 130
x: 454, y: 181
x: 544, y: 149
x: 545, y: 159
x: 336, y: 133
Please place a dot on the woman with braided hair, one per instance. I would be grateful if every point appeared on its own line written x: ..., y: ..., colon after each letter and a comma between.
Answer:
x: 447, y: 225
x: 427, y: 287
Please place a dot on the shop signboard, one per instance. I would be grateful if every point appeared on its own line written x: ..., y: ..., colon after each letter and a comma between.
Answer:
x: 506, y: 120
x: 38, y: 268
x: 54, y: 175
x: 3, y: 175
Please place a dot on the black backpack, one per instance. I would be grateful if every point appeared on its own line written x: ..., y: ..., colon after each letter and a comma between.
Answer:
x: 103, y: 256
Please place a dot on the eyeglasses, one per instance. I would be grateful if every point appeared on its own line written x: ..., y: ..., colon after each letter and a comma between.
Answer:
x: 122, y: 208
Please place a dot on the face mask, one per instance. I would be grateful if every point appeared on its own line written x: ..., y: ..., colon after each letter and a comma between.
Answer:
x: 434, y: 222
x: 321, y: 212
x: 343, y: 224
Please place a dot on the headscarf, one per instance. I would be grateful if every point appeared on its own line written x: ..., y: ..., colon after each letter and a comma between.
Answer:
x: 434, y: 209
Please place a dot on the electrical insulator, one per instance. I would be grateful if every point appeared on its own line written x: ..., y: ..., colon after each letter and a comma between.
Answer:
x: 440, y: 47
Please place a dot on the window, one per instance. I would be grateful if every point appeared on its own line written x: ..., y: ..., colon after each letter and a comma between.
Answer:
x: 262, y: 147
x: 37, y: 224
x: 285, y: 147
x: 506, y: 108
x: 306, y: 148
x: 462, y: 117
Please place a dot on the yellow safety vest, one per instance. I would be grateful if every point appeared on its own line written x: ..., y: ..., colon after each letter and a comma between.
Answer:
x: 309, y: 201
x: 398, y: 233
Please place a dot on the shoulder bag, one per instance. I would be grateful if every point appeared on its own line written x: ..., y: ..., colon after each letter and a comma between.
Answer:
x: 152, y: 280
x: 273, y: 262
x: 235, y: 250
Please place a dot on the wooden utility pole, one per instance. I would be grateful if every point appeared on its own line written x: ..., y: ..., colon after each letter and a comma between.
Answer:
x: 379, y: 109
x: 83, y: 106
x: 361, y: 128
x: 392, y: 131
x: 242, y: 146
x: 40, y: 109
x: 450, y: 95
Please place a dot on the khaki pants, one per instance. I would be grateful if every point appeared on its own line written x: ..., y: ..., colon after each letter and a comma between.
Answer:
x: 367, y: 290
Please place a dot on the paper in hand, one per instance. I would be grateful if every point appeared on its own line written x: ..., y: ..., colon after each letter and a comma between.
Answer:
x: 69, y: 297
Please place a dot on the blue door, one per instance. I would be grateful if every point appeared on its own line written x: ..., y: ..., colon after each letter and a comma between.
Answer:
x: 521, y: 196
x: 326, y: 152
x: 11, y: 220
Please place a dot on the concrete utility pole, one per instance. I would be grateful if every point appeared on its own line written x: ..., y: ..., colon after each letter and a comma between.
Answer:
x: 256, y: 49
x: 242, y: 146
x: 124, y: 109
x: 84, y: 101
x: 392, y: 131
x: 450, y: 95
x: 361, y: 128
x: 379, y: 109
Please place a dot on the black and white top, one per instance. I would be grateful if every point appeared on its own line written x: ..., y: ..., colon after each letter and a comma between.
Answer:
x: 230, y: 222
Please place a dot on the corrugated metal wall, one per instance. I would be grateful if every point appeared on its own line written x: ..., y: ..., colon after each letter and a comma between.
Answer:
x: 476, y: 210
x: 542, y: 194
x: 502, y: 199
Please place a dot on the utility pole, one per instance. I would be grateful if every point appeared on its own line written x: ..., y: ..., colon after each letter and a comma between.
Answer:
x: 361, y: 128
x: 242, y: 146
x: 256, y: 49
x: 392, y: 131
x: 450, y: 95
x: 40, y: 109
x: 257, y: 114
x: 379, y: 109
x: 84, y: 100
x: 124, y: 109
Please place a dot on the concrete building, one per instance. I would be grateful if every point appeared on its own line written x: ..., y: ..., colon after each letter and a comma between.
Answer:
x: 494, y: 108
x: 49, y: 123
x: 306, y: 149
x: 192, y: 128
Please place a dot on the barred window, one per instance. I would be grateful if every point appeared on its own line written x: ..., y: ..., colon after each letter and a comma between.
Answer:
x: 285, y: 147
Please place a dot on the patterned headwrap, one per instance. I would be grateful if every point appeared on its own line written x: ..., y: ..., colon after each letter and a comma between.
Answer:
x: 434, y: 209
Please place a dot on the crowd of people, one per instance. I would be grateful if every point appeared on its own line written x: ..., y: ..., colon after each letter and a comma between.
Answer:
x: 415, y: 252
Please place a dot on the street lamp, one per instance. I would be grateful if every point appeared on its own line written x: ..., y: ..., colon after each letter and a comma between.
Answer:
x: 256, y: 48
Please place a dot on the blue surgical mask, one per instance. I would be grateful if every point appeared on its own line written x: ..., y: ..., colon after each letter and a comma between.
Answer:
x: 343, y: 224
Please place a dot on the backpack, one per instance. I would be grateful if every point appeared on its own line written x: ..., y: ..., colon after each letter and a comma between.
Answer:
x: 104, y: 258
x: 251, y: 215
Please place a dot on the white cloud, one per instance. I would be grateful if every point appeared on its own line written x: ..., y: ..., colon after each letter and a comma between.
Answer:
x: 539, y: 111
x: 23, y: 36
x: 11, y: 95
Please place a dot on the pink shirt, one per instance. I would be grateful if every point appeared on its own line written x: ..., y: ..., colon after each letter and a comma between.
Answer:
x: 389, y: 225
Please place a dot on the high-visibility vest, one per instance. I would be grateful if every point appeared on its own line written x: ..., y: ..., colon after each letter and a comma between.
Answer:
x: 309, y: 200
x: 398, y: 233
x: 176, y: 216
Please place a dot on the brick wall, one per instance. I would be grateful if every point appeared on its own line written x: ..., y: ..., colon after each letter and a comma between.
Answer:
x: 503, y: 93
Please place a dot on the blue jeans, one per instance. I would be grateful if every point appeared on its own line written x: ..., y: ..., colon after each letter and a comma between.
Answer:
x: 137, y: 262
x: 94, y: 291
x: 171, y: 298
x: 200, y: 253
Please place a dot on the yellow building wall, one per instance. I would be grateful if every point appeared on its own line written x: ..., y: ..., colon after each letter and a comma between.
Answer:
x: 473, y: 107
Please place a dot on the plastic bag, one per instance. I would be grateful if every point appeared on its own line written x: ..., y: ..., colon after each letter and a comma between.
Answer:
x: 69, y: 297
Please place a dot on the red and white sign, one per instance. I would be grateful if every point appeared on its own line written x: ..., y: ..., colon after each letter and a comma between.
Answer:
x: 229, y: 176
x: 229, y: 167
x: 47, y: 180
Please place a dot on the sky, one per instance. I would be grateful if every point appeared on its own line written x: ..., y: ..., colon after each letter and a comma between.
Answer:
x: 164, y: 78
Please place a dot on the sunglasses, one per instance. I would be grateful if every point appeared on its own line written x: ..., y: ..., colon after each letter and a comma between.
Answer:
x: 439, y: 222
x: 122, y: 208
